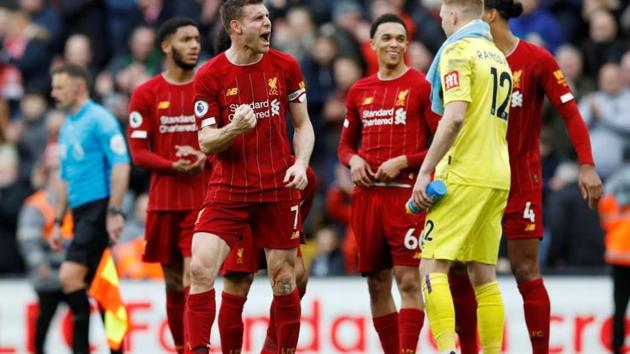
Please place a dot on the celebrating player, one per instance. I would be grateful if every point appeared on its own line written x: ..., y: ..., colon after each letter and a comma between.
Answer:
x: 390, y: 114
x: 241, y: 97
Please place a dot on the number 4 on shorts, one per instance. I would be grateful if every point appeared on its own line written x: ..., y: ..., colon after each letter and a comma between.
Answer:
x: 528, y: 213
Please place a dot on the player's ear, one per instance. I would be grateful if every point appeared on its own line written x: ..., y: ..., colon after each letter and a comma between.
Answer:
x: 235, y: 27
x: 165, y: 46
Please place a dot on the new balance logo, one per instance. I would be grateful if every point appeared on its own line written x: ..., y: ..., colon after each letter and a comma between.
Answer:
x: 295, y: 234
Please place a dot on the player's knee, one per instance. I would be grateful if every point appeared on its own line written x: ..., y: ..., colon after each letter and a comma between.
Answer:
x: 238, y: 283
x: 409, y: 284
x: 525, y: 269
x: 200, y: 273
x: 283, y: 279
x: 378, y: 287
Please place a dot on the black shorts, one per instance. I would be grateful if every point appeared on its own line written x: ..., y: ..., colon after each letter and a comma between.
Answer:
x: 90, y: 234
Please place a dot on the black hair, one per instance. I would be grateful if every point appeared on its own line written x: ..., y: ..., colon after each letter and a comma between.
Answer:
x: 507, y: 8
x: 385, y: 19
x: 171, y: 26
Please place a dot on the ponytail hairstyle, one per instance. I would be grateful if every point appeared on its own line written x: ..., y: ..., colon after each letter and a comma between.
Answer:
x: 507, y: 8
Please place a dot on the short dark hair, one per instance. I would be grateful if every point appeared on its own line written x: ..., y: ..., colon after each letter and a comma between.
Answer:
x: 386, y: 18
x: 171, y: 26
x: 74, y: 71
x: 507, y: 8
x: 231, y: 10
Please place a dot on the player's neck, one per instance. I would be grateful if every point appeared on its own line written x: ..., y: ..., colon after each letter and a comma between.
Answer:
x: 78, y: 104
x: 505, y: 40
x: 177, y: 75
x: 391, y: 73
x: 241, y: 55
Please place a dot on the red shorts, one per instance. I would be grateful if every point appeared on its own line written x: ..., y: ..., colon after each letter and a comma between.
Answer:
x: 246, y: 257
x: 168, y: 235
x: 386, y: 235
x: 275, y: 225
x: 523, y: 215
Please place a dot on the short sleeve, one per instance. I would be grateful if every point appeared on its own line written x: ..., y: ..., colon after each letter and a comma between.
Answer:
x: 111, y: 139
x: 456, y: 74
x: 207, y: 111
x: 296, y: 88
x: 140, y: 123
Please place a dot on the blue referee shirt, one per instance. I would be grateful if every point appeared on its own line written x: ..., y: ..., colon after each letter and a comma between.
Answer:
x: 91, y: 142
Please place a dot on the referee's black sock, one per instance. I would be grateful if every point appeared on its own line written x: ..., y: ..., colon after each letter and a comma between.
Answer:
x: 80, y: 306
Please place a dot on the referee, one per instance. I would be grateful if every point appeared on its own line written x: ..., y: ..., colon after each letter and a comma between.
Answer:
x: 94, y: 177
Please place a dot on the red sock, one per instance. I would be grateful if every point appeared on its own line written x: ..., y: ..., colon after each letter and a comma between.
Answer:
x: 271, y: 343
x: 198, y: 319
x: 387, y: 328
x: 410, y: 323
x: 465, y: 313
x: 537, y: 314
x: 175, y: 304
x: 231, y: 323
x: 287, y: 311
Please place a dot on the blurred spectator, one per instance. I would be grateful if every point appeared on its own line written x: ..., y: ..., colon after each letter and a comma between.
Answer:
x: 78, y: 51
x: 320, y: 83
x: 606, y: 114
x: 329, y: 260
x: 602, y: 45
x: 28, y: 47
x: 537, y: 25
x: 54, y: 120
x: 87, y: 17
x: 430, y: 33
x: 347, y: 22
x: 45, y: 16
x: 419, y: 56
x: 34, y: 138
x: 35, y: 224
x: 576, y: 237
x: 142, y: 62
x: 346, y: 72
x: 625, y: 69
x: 135, y: 225
x: 296, y: 35
x: 570, y: 62
x: 13, y: 192
x: 128, y: 251
x: 615, y: 215
x: 338, y: 210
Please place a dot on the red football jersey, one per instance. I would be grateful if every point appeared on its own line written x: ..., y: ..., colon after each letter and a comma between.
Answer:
x: 389, y: 118
x: 161, y: 117
x: 536, y: 75
x: 252, y: 168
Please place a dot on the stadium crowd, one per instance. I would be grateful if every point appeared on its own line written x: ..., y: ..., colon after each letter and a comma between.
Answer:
x: 116, y: 41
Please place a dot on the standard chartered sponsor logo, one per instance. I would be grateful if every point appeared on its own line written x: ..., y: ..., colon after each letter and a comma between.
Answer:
x: 384, y: 117
x: 177, y: 124
x: 401, y: 116
x: 262, y: 109
x: 517, y: 99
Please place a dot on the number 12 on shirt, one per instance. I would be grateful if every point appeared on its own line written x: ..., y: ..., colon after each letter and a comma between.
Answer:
x: 499, y: 79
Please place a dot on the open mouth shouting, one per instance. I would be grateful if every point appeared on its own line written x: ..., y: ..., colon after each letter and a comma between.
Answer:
x: 265, y: 38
